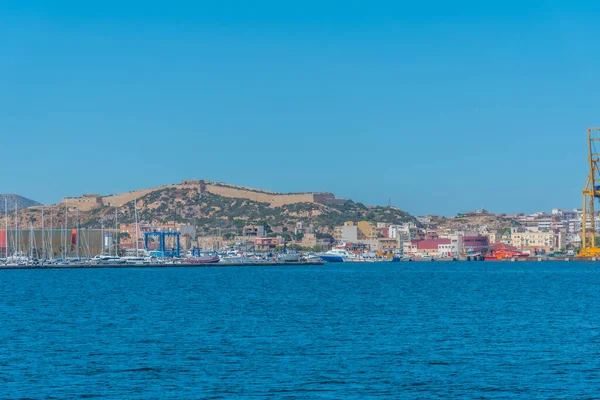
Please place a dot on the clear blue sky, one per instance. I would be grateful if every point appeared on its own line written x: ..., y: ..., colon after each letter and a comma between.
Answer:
x: 442, y: 106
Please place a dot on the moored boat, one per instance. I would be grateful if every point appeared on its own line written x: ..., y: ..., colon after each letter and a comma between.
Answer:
x: 336, y: 255
x: 505, y: 252
x: 288, y: 257
x: 202, y: 260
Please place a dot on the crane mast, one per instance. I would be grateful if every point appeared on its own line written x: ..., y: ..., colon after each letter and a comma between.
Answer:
x: 591, y: 191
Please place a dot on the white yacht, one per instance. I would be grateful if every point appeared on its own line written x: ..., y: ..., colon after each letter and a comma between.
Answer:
x: 17, y: 259
x: 133, y: 260
x: 107, y: 259
x: 241, y: 259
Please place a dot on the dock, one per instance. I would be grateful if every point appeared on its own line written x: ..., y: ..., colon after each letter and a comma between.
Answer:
x: 165, y: 265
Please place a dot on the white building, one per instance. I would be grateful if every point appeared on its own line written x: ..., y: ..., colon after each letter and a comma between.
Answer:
x: 349, y: 233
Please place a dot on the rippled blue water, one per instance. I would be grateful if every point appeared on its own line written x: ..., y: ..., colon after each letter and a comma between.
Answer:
x: 341, y: 331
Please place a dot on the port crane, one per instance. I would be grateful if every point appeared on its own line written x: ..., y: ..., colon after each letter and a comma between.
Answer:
x: 591, y: 191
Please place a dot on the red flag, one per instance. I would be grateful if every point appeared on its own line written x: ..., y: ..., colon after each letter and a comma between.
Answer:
x: 74, y: 236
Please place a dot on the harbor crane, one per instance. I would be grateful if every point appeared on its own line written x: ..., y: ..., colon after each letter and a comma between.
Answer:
x: 591, y: 191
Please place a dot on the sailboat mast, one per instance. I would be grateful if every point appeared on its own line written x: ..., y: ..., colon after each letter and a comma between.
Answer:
x: 43, y: 238
x: 116, y: 231
x: 66, y: 234
x: 137, y: 230
x: 30, y: 239
x: 17, y: 229
x: 6, y: 226
x: 51, y: 236
x: 101, y: 236
x: 77, y: 233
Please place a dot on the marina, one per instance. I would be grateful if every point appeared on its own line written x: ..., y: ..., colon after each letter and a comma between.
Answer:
x: 161, y: 265
x: 249, y: 262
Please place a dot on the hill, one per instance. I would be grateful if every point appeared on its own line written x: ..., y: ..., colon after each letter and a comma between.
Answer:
x: 472, y: 223
x: 15, y: 199
x: 206, y: 210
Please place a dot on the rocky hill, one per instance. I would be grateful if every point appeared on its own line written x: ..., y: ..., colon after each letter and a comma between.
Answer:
x: 207, y: 211
x: 15, y: 199
x: 472, y: 223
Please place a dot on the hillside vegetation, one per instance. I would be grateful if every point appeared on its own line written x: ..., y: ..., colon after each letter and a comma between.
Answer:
x: 208, y: 211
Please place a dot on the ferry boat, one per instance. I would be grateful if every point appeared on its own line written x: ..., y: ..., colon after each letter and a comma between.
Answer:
x: 336, y: 255
x: 505, y: 252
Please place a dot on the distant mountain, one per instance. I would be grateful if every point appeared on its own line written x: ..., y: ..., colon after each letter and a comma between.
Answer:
x: 20, y: 201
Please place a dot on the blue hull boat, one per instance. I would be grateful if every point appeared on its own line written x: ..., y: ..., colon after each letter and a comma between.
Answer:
x: 331, y: 258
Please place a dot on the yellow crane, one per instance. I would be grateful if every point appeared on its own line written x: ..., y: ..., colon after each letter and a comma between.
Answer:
x: 591, y: 191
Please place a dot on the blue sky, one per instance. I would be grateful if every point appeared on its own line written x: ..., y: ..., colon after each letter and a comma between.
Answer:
x: 442, y: 107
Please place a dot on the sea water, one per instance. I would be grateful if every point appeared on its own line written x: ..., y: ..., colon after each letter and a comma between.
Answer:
x: 351, y: 331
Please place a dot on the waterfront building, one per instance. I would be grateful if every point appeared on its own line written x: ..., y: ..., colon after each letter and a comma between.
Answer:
x: 325, y: 243
x: 309, y: 240
x: 383, y: 232
x: 476, y: 244
x: 185, y: 241
x: 493, y: 237
x: 535, y: 240
x: 432, y: 247
x: 387, y: 244
x: 302, y: 229
x: 253, y: 230
x: 266, y: 244
x: 366, y: 230
x: 506, y: 238
x: 349, y: 234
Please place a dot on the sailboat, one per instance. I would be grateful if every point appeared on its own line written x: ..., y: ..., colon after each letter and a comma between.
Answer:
x: 142, y: 257
x: 17, y: 258
x: 5, y: 229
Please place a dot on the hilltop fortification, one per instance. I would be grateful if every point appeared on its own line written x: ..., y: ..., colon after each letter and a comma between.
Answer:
x: 88, y: 202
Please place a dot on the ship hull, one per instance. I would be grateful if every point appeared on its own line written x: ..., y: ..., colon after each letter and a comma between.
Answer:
x: 331, y: 258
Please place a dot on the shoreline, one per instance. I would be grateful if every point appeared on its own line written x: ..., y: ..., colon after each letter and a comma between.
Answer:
x: 280, y: 264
